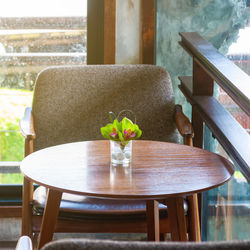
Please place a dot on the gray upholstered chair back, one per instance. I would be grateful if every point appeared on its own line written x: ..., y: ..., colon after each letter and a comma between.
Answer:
x: 84, y: 244
x: 71, y: 103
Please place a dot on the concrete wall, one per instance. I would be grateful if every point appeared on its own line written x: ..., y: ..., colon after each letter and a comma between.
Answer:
x: 10, y: 229
x: 127, y: 31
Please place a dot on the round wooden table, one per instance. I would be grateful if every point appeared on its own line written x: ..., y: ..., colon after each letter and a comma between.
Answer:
x: 159, y: 171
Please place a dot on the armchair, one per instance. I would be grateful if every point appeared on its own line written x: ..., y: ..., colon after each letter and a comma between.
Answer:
x: 71, y: 104
x: 24, y: 243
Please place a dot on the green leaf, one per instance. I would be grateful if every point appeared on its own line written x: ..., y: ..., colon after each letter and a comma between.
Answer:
x: 105, y: 132
x: 126, y: 124
x: 138, y: 134
x: 120, y: 134
x: 117, y: 125
x: 120, y: 127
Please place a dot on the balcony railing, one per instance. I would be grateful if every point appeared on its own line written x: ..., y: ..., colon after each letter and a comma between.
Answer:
x: 224, y: 211
x: 210, y: 66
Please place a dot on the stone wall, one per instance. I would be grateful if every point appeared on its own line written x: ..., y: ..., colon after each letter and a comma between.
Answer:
x: 216, y: 20
x: 219, y: 22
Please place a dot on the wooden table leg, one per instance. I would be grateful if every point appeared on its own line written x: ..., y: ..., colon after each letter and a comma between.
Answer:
x: 177, y: 220
x: 153, y: 226
x: 49, y: 217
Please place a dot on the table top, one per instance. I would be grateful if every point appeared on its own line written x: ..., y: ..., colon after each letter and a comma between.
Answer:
x: 157, y: 170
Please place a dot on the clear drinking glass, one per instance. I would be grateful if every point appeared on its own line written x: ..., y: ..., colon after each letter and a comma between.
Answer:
x: 120, y: 155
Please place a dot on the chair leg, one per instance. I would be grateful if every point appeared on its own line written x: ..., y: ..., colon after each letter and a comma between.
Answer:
x: 35, y: 240
x: 163, y: 236
x: 27, y: 208
x: 193, y: 218
x: 228, y: 223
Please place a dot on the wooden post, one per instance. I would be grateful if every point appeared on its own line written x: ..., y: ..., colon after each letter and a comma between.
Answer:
x: 101, y: 39
x: 109, y: 31
x: 147, y: 50
x: 198, y: 126
x: 203, y: 84
x: 101, y: 32
x: 95, y: 32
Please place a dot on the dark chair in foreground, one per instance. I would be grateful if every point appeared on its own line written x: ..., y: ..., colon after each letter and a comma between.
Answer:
x: 71, y: 104
x: 84, y: 244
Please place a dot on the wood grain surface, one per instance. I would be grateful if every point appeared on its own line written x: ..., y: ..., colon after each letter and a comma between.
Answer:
x: 158, y: 170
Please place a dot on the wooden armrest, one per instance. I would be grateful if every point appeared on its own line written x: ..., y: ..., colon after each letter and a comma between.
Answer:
x: 24, y: 243
x: 26, y: 125
x: 183, y: 125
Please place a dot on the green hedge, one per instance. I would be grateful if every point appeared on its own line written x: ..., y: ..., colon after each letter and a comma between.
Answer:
x: 12, y: 105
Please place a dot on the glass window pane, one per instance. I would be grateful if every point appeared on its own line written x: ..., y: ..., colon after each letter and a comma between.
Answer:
x: 33, y: 35
x: 226, y: 209
x: 239, y: 53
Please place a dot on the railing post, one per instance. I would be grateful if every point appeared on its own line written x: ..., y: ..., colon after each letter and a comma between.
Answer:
x: 198, y: 125
x: 203, y: 84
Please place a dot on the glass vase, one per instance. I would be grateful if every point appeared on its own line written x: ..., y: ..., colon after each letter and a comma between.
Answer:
x: 120, y: 154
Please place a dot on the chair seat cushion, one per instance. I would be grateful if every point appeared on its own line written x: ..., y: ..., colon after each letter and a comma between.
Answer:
x: 76, y: 206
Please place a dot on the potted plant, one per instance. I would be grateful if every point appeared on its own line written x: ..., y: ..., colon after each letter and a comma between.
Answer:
x: 121, y: 135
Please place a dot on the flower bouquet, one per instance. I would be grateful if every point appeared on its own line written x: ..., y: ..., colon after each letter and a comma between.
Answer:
x: 121, y: 135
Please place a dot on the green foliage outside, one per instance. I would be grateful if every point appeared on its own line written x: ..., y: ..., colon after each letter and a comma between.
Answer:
x: 12, y: 106
x: 12, y: 149
x: 12, y: 142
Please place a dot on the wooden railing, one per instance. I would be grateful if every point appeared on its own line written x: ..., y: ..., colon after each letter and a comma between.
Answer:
x: 210, y: 66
